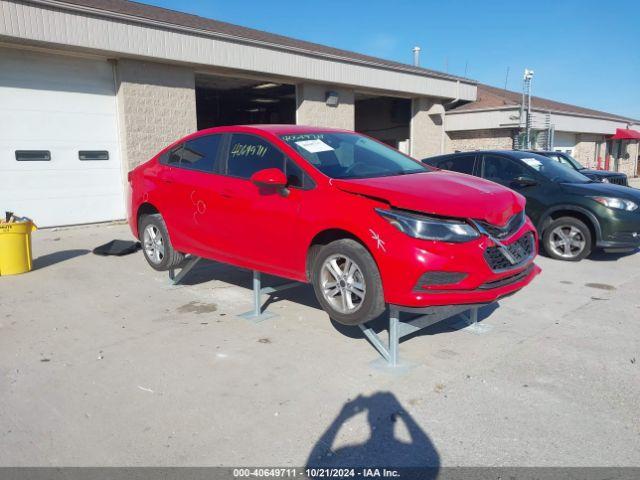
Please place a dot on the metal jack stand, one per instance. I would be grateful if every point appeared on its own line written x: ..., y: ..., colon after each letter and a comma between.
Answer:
x: 398, y: 329
x: 470, y: 323
x: 175, y: 278
x: 257, y: 314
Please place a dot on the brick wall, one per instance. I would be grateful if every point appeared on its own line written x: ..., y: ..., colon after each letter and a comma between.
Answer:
x: 490, y: 139
x: 426, y: 128
x: 312, y: 108
x: 627, y: 162
x: 585, y: 149
x: 156, y: 106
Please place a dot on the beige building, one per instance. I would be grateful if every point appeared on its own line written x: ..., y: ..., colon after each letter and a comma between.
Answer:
x: 89, y: 89
x: 493, y: 121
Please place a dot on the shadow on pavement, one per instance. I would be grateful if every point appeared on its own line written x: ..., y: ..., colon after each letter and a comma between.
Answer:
x: 395, y: 439
x: 601, y: 256
x: 57, y: 257
x: 381, y: 323
x: 209, y: 270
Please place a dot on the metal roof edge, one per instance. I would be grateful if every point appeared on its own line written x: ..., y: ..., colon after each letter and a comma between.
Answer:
x: 542, y: 110
x: 61, y: 4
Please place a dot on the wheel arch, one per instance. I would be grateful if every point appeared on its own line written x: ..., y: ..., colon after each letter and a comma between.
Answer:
x: 326, y: 236
x: 145, y: 208
x: 589, y: 219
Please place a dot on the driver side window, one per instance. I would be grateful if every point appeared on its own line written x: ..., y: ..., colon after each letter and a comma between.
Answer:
x: 501, y: 170
x: 249, y: 154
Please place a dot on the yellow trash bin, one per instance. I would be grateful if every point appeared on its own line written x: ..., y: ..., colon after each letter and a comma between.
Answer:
x: 15, y: 247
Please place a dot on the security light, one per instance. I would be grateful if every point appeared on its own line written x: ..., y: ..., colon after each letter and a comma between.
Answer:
x: 332, y: 99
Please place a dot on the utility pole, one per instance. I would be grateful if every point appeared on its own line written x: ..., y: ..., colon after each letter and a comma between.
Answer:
x: 526, y: 106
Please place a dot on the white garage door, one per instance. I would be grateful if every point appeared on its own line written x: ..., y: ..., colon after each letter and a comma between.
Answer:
x: 59, y: 155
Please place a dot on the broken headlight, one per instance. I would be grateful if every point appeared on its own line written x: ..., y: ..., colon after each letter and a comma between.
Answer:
x: 429, y: 228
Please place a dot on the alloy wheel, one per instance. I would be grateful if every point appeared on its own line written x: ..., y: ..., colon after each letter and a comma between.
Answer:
x: 567, y: 241
x: 342, y: 283
x: 153, y: 244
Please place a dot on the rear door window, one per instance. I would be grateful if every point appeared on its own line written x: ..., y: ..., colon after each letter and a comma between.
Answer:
x: 172, y: 157
x: 201, y: 153
x: 501, y: 170
x: 461, y: 164
x: 249, y: 154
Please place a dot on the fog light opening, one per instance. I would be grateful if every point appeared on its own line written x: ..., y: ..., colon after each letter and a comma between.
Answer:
x: 439, y: 279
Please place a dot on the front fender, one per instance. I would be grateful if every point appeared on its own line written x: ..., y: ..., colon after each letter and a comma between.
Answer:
x: 545, y: 219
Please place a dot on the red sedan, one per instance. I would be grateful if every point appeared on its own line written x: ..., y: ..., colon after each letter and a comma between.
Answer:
x: 364, y: 223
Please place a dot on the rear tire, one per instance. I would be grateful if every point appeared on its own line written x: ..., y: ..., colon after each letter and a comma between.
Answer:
x: 568, y: 239
x: 156, y: 244
x: 347, y: 282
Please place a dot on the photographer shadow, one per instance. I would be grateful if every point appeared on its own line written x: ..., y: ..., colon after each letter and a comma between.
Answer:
x: 383, y: 449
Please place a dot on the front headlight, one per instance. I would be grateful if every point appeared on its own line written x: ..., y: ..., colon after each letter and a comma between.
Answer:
x: 617, y: 203
x: 429, y: 228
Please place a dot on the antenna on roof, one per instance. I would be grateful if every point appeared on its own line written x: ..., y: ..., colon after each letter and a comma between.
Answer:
x: 416, y: 56
x: 506, y: 78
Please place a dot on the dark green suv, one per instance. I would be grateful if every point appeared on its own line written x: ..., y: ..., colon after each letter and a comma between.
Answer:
x: 572, y: 213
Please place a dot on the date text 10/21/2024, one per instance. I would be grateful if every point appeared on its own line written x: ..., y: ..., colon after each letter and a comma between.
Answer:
x: 316, y: 473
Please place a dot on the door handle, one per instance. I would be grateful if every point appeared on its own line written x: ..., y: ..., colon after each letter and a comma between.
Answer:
x: 226, y: 193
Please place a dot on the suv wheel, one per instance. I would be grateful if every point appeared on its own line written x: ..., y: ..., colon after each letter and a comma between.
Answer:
x: 567, y: 238
x: 156, y: 245
x: 347, y: 282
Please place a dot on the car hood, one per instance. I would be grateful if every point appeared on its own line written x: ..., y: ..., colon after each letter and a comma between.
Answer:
x: 600, y: 173
x: 441, y: 193
x: 602, y: 189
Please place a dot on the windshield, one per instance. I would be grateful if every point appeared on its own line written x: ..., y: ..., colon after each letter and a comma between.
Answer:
x: 349, y: 155
x: 566, y: 160
x: 553, y: 170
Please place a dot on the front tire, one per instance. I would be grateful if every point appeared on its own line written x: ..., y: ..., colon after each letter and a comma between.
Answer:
x: 568, y: 239
x: 347, y: 282
x: 156, y: 244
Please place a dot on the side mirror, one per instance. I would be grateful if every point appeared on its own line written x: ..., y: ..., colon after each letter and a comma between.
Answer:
x: 270, y: 177
x: 524, y: 181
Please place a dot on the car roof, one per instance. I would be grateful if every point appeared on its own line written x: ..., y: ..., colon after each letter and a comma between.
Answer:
x: 276, y: 129
x: 517, y: 154
x: 544, y: 152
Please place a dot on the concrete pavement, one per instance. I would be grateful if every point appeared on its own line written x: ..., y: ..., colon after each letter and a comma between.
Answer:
x: 104, y: 363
